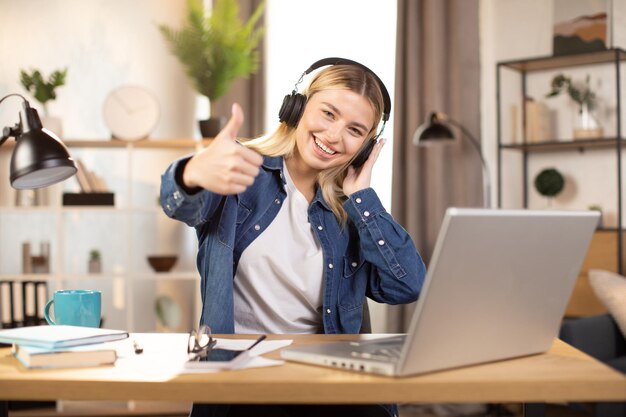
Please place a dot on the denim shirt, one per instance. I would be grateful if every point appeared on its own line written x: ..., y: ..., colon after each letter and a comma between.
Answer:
x: 371, y: 256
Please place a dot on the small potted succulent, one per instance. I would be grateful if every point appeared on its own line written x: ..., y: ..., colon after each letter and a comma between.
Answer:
x: 587, y: 126
x: 43, y: 90
x: 598, y: 208
x: 95, y: 262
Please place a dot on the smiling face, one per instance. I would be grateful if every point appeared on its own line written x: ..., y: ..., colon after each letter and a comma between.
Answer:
x: 332, y: 129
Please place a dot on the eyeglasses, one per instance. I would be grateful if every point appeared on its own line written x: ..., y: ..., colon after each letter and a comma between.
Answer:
x: 200, y: 343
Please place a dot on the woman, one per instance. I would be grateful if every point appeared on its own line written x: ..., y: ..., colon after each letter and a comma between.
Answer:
x: 292, y: 239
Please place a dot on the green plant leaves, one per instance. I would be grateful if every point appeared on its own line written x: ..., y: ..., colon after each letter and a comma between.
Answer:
x: 216, y: 49
x: 42, y: 90
x: 580, y: 94
x: 549, y: 182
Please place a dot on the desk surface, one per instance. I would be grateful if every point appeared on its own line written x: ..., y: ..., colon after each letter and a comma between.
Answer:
x: 561, y: 374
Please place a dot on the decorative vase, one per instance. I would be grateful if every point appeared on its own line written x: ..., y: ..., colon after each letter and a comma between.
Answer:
x: 211, y: 127
x: 53, y: 124
x: 587, y: 126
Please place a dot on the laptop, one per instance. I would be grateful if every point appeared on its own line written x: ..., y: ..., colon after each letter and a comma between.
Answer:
x: 496, y: 288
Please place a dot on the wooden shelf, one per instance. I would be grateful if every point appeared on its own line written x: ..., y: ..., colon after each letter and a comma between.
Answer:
x: 561, y: 145
x: 106, y: 275
x: 144, y: 143
x: 554, y: 62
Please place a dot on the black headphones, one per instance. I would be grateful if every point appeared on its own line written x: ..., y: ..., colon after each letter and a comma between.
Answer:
x: 294, y: 103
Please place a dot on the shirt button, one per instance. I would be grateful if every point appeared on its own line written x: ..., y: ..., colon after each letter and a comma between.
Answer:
x: 257, y: 227
x: 177, y: 195
x: 328, y: 310
x: 320, y: 228
x: 358, y: 200
x: 366, y: 213
x: 277, y: 201
x: 330, y: 266
x: 381, y: 242
x: 354, y: 264
x: 167, y: 206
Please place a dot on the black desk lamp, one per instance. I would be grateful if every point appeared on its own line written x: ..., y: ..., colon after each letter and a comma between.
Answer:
x: 40, y: 158
x: 436, y: 130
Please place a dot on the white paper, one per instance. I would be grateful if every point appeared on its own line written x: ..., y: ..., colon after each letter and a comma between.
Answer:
x: 169, y: 351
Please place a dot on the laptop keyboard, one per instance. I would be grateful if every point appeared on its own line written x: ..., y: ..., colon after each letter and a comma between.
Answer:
x: 384, y: 350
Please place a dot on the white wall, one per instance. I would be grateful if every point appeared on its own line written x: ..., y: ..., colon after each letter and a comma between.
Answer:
x: 300, y: 33
x: 518, y: 29
x: 104, y: 43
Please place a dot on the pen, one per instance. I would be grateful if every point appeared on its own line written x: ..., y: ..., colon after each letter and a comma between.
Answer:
x: 259, y: 340
x: 137, y: 347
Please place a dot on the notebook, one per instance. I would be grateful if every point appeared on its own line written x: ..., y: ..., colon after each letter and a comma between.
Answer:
x: 77, y: 356
x: 496, y: 288
x: 55, y: 337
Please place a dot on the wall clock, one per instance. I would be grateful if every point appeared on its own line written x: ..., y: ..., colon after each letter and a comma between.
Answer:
x: 131, y: 112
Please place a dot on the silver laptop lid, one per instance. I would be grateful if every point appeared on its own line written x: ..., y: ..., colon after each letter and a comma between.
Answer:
x: 497, y: 286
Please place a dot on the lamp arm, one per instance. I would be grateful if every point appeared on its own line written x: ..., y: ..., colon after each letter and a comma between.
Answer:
x: 15, y: 131
x: 477, y: 147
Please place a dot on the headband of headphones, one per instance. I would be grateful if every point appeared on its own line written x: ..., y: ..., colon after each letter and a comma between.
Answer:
x: 294, y: 103
x: 343, y: 61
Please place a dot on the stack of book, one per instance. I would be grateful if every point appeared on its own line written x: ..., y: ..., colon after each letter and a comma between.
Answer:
x: 94, y: 190
x: 89, y: 181
x: 539, y: 123
x: 62, y: 346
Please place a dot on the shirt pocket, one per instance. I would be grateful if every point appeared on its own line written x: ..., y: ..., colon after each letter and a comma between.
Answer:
x: 230, y: 220
x: 352, y: 284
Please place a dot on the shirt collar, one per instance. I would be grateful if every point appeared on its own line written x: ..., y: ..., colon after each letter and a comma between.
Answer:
x: 275, y: 163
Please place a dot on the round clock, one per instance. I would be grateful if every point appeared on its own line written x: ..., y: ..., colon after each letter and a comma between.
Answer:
x: 131, y: 112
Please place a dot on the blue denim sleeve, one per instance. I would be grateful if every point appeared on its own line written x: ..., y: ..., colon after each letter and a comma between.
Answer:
x: 397, y: 272
x: 192, y: 209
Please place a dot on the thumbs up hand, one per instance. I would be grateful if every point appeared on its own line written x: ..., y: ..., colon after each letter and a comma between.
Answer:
x: 224, y: 166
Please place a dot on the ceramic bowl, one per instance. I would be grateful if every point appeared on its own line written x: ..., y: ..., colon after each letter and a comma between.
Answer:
x: 162, y: 263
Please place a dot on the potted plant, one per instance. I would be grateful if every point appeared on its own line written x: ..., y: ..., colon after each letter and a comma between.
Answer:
x: 549, y: 183
x: 44, y: 91
x: 587, y: 126
x: 95, y: 262
x: 598, y: 208
x: 215, y: 50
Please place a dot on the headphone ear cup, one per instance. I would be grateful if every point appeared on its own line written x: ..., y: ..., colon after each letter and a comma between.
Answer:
x: 364, y: 154
x: 292, y: 109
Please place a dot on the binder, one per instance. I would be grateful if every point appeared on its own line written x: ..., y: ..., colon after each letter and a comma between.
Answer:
x: 6, y: 304
x: 29, y: 303
x: 41, y: 298
x: 18, y: 304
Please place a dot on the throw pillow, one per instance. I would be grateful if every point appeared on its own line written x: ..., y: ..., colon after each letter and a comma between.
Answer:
x: 610, y: 288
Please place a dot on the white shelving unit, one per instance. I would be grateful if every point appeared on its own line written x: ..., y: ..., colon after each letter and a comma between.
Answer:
x: 124, y: 234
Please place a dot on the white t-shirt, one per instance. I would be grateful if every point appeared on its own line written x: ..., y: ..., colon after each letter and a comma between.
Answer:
x: 278, y: 282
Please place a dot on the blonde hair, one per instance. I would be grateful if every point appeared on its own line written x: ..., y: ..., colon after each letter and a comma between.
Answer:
x: 282, y: 141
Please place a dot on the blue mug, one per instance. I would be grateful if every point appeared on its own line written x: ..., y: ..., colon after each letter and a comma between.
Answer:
x: 75, y: 308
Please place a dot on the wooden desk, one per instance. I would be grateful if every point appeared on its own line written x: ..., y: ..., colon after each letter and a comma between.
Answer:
x: 561, y: 374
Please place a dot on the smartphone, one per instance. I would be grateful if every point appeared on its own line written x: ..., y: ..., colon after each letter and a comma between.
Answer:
x: 222, y: 355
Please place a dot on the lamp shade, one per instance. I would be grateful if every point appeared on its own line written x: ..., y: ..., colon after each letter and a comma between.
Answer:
x: 432, y: 130
x: 436, y: 130
x: 39, y: 159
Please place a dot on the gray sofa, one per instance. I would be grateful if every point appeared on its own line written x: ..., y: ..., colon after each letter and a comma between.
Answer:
x: 599, y: 336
